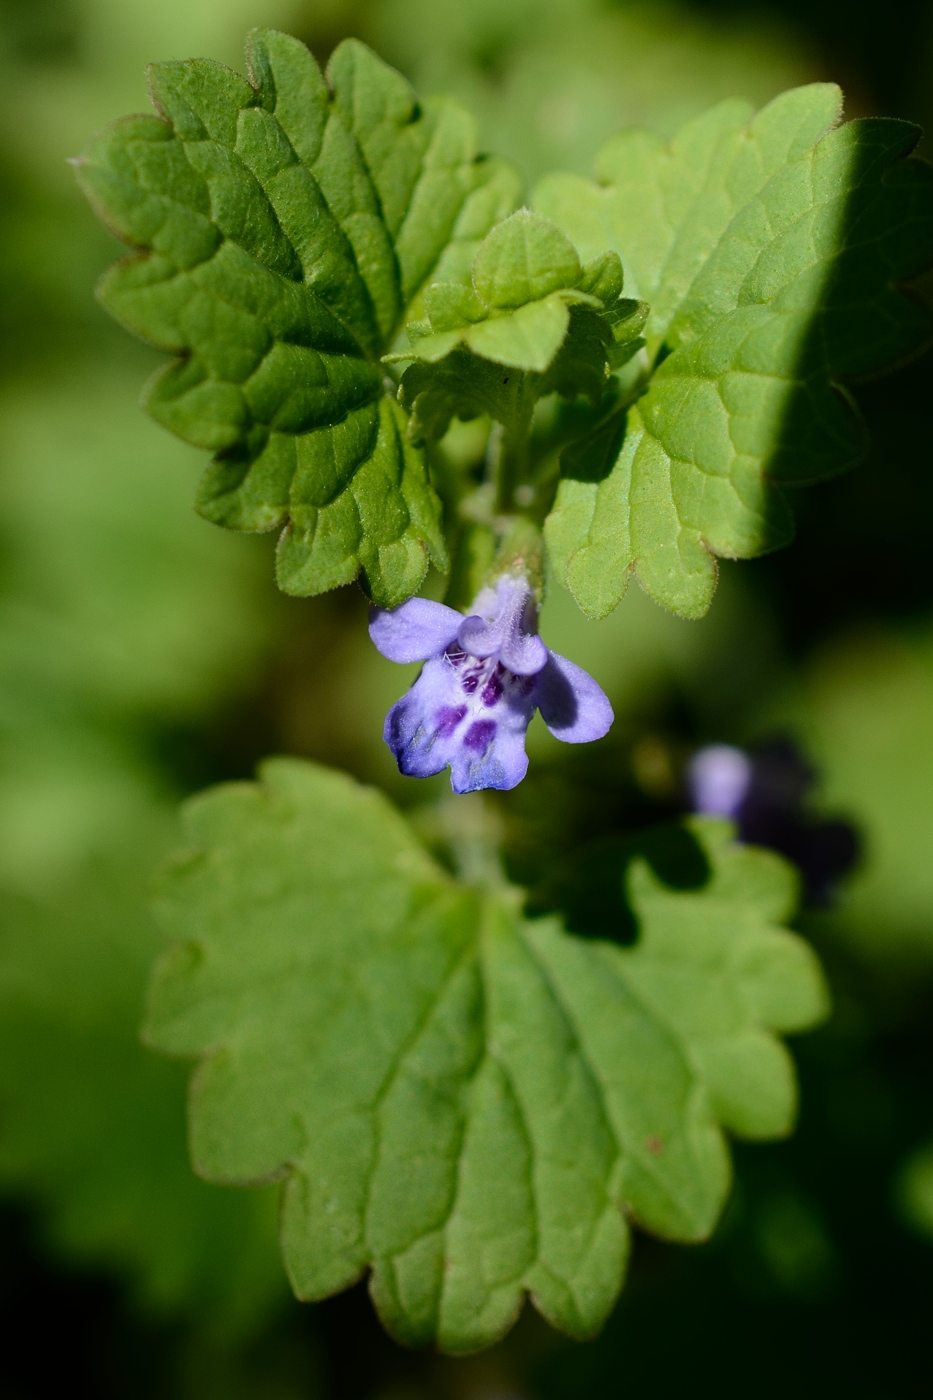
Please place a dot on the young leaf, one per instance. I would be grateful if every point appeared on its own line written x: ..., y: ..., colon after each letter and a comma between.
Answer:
x: 465, y: 1102
x: 284, y: 227
x: 530, y: 308
x: 770, y: 249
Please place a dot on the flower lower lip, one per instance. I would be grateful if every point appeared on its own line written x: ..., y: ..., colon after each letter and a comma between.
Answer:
x: 479, y: 735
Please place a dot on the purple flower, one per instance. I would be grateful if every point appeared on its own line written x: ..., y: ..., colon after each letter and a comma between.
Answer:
x: 765, y: 793
x: 719, y: 777
x: 484, y: 677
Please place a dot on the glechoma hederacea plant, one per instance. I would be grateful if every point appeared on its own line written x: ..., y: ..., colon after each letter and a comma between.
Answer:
x: 465, y: 1102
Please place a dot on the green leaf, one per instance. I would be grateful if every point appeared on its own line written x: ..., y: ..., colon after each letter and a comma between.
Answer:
x: 92, y: 1133
x: 530, y: 307
x: 523, y: 260
x: 770, y: 249
x: 465, y: 1102
x: 284, y: 227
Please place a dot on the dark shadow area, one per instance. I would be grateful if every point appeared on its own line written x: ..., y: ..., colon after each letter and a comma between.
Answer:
x: 590, y: 891
x: 775, y: 814
x: 881, y: 58
x: 593, y: 457
x: 862, y: 549
x: 881, y: 241
x: 68, y: 1333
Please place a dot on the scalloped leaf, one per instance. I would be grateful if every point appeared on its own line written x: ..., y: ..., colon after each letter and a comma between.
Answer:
x: 285, y: 227
x: 465, y: 1102
x: 770, y: 249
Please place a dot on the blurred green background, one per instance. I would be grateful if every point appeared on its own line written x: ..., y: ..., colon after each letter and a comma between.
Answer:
x: 144, y: 654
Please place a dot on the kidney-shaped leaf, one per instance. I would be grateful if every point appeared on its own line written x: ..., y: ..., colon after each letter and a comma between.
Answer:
x: 770, y: 249
x: 285, y: 226
x: 465, y: 1102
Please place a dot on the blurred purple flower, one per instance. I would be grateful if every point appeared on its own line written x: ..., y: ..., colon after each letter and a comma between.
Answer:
x: 764, y: 791
x: 719, y: 777
x: 484, y: 677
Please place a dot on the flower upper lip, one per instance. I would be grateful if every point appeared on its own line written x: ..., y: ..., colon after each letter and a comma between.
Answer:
x: 511, y: 630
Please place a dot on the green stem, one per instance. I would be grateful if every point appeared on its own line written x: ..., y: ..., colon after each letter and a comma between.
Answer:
x: 512, y: 469
x: 511, y: 464
x: 470, y: 829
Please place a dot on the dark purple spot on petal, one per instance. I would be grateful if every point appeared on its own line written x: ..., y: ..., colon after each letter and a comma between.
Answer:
x: 470, y: 682
x: 448, y: 718
x: 492, y: 690
x: 479, y: 735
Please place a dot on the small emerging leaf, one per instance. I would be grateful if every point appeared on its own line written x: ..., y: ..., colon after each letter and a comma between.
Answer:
x: 770, y: 249
x: 524, y: 259
x: 532, y: 308
x: 285, y: 227
x: 465, y: 1102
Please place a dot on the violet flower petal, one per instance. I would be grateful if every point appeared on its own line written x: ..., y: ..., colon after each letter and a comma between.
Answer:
x: 478, y: 732
x: 491, y: 751
x: 574, y: 708
x: 524, y: 653
x: 416, y: 631
x: 424, y: 728
x: 505, y: 624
